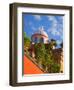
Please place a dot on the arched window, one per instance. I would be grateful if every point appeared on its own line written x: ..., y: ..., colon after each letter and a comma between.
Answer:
x: 41, y: 40
x: 35, y: 40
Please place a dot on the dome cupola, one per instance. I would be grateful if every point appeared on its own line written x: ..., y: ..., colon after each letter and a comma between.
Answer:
x: 40, y: 36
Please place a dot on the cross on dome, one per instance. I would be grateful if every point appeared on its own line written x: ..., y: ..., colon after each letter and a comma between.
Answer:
x: 41, y: 28
x: 41, y: 31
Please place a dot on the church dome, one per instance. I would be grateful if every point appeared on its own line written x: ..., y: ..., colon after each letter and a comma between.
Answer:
x: 40, y: 36
x: 42, y: 32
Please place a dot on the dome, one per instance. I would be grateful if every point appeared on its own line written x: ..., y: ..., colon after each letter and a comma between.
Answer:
x: 40, y: 36
x: 42, y: 32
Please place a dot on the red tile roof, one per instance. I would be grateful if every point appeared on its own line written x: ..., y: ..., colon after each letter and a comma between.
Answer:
x: 30, y: 67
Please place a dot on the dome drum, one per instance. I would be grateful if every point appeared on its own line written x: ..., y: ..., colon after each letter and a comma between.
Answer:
x: 40, y: 37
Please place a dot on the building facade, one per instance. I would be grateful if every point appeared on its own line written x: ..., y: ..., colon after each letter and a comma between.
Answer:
x: 40, y: 36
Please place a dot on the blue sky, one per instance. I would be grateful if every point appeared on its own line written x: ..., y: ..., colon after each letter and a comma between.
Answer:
x: 52, y: 24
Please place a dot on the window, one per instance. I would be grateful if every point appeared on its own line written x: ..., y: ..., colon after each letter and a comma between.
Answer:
x: 41, y: 40
x: 35, y: 40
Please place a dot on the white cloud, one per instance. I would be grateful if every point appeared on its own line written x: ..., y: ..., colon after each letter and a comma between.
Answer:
x: 37, y: 17
x: 49, y: 30
x: 58, y: 42
x: 51, y: 18
x: 55, y: 32
x: 33, y: 28
x: 53, y: 21
x: 56, y: 28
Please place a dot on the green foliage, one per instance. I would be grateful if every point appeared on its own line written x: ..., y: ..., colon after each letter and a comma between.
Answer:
x: 44, y: 55
x: 26, y: 41
x: 52, y: 43
x: 55, y: 68
x: 48, y: 59
x: 24, y: 34
x: 40, y: 51
x: 45, y: 58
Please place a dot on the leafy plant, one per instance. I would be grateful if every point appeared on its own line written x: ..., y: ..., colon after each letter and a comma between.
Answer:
x: 52, y: 43
x: 55, y: 68
x: 44, y: 55
x: 40, y: 52
x: 26, y: 41
x: 44, y: 58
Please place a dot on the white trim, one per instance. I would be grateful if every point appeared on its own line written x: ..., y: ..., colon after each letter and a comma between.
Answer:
x: 46, y: 77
